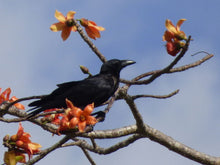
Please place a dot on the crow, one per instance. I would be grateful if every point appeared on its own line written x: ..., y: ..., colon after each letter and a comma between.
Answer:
x: 95, y: 89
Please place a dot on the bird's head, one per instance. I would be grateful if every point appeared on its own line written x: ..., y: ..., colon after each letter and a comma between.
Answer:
x: 114, y: 66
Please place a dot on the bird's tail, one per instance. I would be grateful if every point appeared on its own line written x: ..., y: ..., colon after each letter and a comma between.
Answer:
x: 34, y: 112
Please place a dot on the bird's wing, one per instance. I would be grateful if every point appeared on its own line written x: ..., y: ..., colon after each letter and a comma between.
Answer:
x: 95, y: 89
x: 59, y: 91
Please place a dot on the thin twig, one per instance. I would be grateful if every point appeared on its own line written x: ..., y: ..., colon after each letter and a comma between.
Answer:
x: 14, y: 120
x: 156, y: 96
x: 24, y: 99
x: 93, y: 143
x: 89, y: 42
x: 88, y: 156
x: 173, y: 70
x: 105, y: 151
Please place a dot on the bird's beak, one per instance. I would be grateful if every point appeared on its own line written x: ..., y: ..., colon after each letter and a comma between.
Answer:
x: 125, y: 63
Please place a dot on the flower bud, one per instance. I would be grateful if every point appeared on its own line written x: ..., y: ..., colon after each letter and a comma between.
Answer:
x: 84, y: 69
x: 19, y: 143
x: 13, y: 138
x: 6, y: 138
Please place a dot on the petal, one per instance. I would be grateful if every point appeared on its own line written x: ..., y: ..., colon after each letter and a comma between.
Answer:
x: 168, y: 36
x: 17, y: 105
x: 34, y: 147
x: 93, y: 32
x: 70, y: 14
x: 65, y: 33
x: 179, y: 23
x: 89, y: 33
x: 82, y: 126
x: 100, y: 28
x: 75, y: 111
x: 73, y: 122
x: 60, y: 17
x: 20, y: 130
x: 69, y: 104
x: 172, y: 49
x: 93, y: 24
x: 6, y: 93
x: 74, y: 28
x: 90, y: 120
x: 84, y: 22
x: 170, y: 27
x: 57, y: 26
x: 88, y: 109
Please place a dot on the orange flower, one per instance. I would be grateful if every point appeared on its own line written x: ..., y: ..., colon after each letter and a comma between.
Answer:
x: 65, y: 25
x: 22, y: 140
x: 173, y: 35
x: 4, y: 96
x: 91, y: 28
x: 173, y: 32
x: 77, y: 117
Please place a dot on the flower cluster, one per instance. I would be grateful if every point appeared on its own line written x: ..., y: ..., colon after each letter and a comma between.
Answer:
x: 5, y: 96
x: 66, y: 25
x: 21, y: 144
x: 174, y: 36
x: 52, y: 118
x: 74, y: 116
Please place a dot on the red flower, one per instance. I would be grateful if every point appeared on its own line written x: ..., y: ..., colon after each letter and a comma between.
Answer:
x: 173, y: 35
x: 65, y: 25
x: 91, y: 28
x: 174, y: 32
x: 22, y: 140
x: 5, y: 96
x: 77, y: 117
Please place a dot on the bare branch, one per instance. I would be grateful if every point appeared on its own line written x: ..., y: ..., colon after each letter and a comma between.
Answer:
x: 173, y: 70
x: 88, y: 156
x: 24, y: 99
x: 156, y: 96
x: 178, y: 147
x: 192, y: 65
x: 108, y: 134
x: 104, y: 151
x: 89, y: 42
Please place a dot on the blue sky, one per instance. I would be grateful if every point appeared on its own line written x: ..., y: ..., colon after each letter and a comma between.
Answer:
x: 34, y: 60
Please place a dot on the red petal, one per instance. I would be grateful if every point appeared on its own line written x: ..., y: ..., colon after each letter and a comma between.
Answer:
x: 66, y: 33
x: 82, y: 126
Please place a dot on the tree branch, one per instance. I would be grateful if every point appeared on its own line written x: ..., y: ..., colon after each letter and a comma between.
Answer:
x: 43, y: 153
x: 156, y: 96
x: 173, y: 70
x: 89, y: 42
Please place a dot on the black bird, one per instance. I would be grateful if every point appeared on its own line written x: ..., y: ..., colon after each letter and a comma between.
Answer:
x: 98, y: 89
